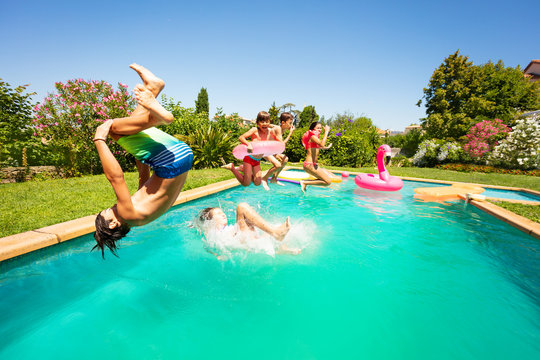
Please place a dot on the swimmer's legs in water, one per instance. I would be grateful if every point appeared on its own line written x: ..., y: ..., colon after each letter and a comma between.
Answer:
x: 248, y: 219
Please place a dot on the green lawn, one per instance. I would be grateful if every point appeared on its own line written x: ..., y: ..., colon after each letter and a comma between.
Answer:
x: 531, y: 212
x: 31, y: 205
x: 35, y: 204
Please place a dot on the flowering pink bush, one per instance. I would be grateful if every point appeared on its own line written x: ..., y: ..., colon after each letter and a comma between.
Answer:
x: 67, y: 120
x: 483, y: 136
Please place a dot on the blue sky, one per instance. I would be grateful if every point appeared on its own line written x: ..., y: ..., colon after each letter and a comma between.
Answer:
x: 366, y: 58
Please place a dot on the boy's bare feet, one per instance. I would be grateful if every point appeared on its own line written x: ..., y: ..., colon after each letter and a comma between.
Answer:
x: 282, y: 230
x: 284, y: 249
x: 146, y: 99
x: 303, y: 186
x: 228, y: 166
x: 265, y: 184
x: 151, y: 81
x: 274, y: 180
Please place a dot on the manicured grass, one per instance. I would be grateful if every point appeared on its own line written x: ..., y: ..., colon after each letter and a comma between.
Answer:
x: 531, y: 212
x: 32, y: 205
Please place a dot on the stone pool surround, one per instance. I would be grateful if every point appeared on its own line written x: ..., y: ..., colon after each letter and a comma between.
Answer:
x: 22, y: 243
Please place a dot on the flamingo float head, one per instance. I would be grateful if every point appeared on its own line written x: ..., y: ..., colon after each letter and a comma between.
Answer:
x: 384, y: 150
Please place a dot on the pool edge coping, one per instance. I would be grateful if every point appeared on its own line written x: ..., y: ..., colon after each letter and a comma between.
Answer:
x: 22, y: 243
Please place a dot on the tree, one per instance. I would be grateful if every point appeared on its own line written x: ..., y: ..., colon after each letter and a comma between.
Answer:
x: 274, y: 112
x: 15, y: 123
x: 186, y: 120
x: 201, y: 104
x: 307, y: 116
x: 461, y: 94
x: 287, y: 105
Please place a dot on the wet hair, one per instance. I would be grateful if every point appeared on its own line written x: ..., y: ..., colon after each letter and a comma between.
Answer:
x: 206, y: 214
x: 107, y: 237
x: 286, y: 116
x: 263, y: 116
x: 313, y: 124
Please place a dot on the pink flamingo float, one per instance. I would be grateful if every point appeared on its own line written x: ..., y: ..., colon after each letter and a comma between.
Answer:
x: 383, y: 181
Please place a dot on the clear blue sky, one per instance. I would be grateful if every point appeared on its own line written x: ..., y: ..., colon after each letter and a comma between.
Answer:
x: 364, y: 57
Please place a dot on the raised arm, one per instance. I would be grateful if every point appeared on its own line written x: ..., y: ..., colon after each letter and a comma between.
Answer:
x: 243, y: 138
x: 290, y: 133
x: 322, y: 142
x: 113, y: 172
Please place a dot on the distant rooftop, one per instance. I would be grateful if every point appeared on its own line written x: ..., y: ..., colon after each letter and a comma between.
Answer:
x: 532, y: 71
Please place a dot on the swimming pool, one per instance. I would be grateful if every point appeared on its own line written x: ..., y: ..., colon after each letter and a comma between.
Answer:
x: 381, y: 275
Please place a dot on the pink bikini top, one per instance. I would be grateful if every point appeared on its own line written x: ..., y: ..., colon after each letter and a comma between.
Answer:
x: 306, y: 139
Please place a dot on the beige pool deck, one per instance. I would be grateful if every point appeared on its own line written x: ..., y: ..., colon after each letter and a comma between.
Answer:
x: 20, y: 244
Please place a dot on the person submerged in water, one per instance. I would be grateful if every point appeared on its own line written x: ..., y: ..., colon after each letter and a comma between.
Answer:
x: 247, y: 221
x: 169, y: 158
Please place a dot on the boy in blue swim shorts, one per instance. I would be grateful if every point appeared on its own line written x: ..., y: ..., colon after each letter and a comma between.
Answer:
x: 169, y: 158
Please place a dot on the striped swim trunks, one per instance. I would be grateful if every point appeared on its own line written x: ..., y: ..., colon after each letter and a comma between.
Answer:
x: 165, y: 154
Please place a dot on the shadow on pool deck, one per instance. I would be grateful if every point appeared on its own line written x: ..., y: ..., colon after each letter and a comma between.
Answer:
x: 23, y: 243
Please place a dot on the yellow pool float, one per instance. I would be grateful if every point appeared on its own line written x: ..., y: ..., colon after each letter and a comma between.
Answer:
x: 447, y: 192
x: 295, y: 176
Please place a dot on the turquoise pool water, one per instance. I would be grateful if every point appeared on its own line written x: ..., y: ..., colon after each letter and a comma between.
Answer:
x: 381, y: 276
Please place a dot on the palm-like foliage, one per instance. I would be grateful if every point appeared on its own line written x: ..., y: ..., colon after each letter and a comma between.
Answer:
x: 209, y: 145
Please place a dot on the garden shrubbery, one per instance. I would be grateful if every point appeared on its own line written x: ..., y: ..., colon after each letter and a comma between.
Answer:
x: 66, y: 122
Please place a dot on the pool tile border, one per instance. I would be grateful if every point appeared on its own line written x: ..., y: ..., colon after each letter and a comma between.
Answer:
x: 22, y: 243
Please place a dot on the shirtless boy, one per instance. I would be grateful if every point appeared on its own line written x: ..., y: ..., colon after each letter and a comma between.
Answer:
x: 251, y: 166
x: 278, y: 161
x: 169, y: 158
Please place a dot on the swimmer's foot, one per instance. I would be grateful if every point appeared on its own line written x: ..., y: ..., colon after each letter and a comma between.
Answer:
x: 303, y: 186
x: 284, y: 249
x: 151, y: 81
x: 228, y: 166
x: 146, y: 99
x: 281, y: 231
x: 264, y: 183
x: 279, y: 183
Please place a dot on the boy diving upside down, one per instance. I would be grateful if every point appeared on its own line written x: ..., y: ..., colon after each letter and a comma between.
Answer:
x: 169, y: 158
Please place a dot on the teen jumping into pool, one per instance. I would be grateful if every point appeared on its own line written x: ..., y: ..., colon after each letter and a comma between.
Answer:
x: 278, y: 161
x: 169, y: 158
x: 251, y: 166
x: 313, y: 143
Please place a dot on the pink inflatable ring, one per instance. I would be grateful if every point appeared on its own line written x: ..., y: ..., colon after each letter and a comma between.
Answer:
x: 383, y: 181
x: 264, y: 148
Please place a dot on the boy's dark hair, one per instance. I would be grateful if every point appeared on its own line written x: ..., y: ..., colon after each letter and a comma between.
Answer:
x: 286, y: 116
x: 206, y: 214
x: 313, y: 124
x: 107, y: 237
x: 263, y: 116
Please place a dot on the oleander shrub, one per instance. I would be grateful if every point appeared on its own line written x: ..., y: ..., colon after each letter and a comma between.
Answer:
x: 483, y: 136
x: 66, y: 121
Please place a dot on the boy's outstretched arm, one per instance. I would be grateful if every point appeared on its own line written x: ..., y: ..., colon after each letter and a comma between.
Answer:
x: 290, y: 133
x: 113, y: 171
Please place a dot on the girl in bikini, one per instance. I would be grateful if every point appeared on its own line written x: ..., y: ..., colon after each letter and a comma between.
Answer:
x: 313, y: 143
x: 251, y: 166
